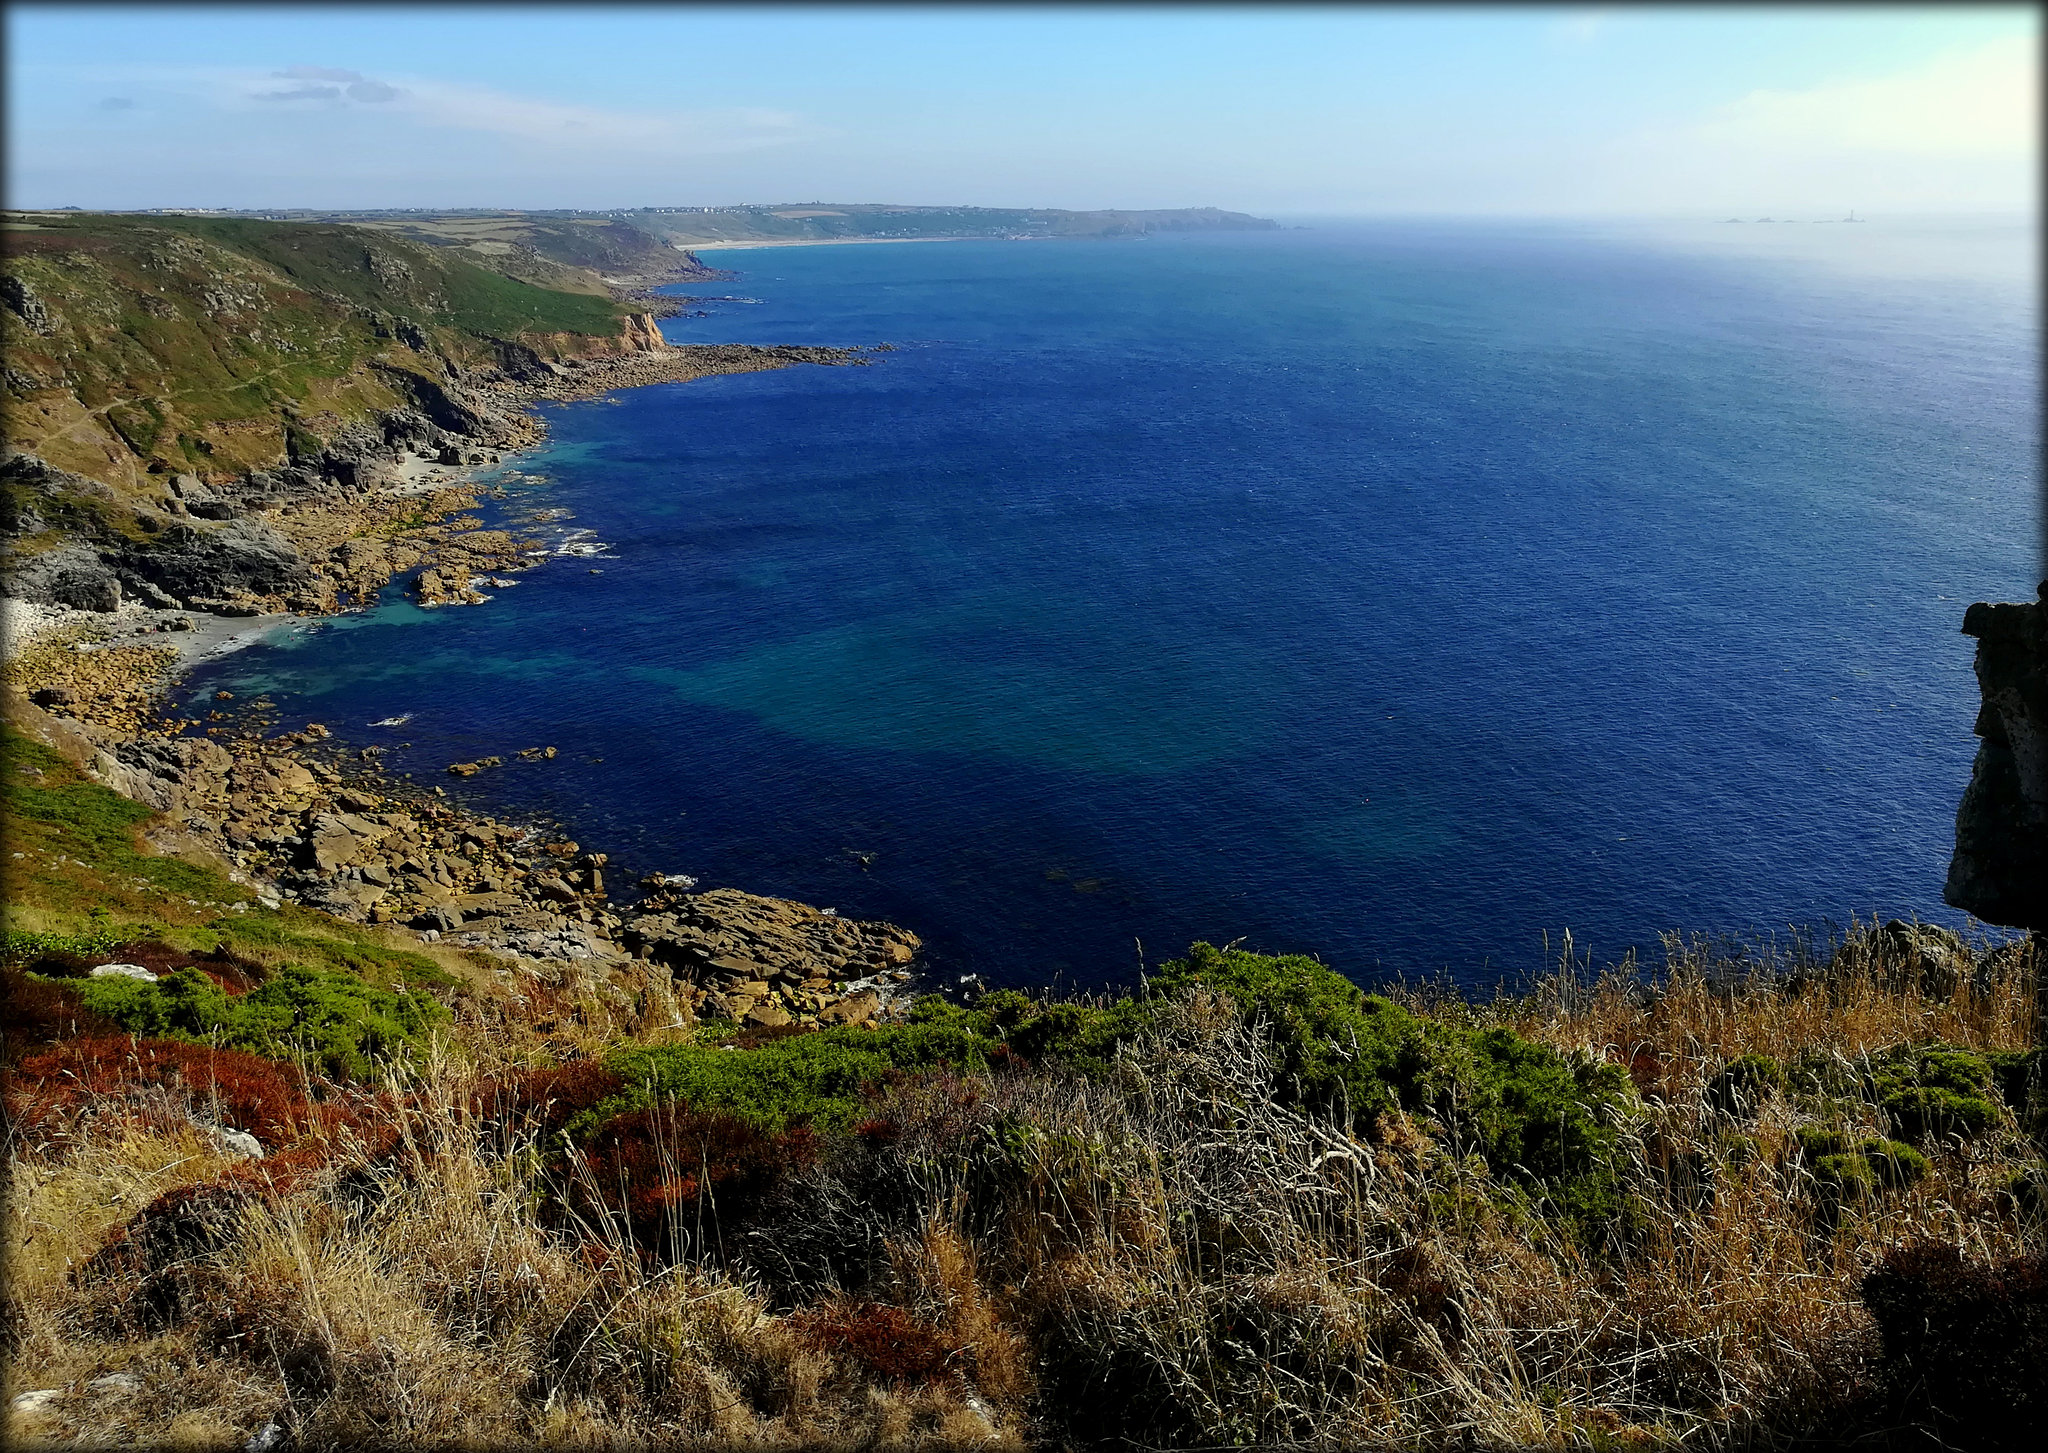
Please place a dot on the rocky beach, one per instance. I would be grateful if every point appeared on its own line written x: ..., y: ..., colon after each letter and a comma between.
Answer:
x: 298, y: 819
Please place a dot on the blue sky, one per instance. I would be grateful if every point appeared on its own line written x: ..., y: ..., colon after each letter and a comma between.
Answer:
x: 1643, y: 110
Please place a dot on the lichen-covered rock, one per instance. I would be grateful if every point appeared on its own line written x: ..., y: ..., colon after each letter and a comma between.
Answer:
x: 2000, y: 868
x: 743, y: 942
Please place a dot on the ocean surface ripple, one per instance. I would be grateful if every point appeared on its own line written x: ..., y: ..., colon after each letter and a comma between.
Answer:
x: 1394, y: 593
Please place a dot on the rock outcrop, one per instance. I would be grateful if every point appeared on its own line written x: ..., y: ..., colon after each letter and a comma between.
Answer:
x: 757, y: 958
x: 2000, y: 868
x: 299, y: 818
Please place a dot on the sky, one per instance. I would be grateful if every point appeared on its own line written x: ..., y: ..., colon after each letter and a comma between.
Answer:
x: 1308, y: 111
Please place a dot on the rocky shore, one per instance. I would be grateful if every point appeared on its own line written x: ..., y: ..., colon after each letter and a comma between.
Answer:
x: 302, y: 819
x: 97, y: 641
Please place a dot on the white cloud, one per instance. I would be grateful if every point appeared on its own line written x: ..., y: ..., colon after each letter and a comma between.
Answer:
x: 1980, y: 102
x: 479, y: 108
x: 323, y: 91
x: 318, y: 73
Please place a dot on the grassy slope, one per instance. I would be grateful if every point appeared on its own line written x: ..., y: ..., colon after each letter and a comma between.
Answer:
x: 77, y: 876
x: 186, y: 342
x: 567, y: 252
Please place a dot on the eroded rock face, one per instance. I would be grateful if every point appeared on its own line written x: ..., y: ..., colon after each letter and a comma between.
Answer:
x: 70, y: 575
x: 2000, y: 868
x: 244, y: 557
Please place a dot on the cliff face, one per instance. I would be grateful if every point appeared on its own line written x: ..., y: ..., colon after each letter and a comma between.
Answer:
x: 169, y: 379
x: 143, y: 348
x: 2000, y: 868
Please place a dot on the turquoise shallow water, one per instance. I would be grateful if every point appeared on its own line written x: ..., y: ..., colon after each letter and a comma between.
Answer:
x: 1394, y: 593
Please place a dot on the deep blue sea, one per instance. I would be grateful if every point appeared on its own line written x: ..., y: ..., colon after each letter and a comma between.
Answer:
x: 1397, y: 593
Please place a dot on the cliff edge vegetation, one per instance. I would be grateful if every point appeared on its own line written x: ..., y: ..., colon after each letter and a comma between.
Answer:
x: 276, y: 1174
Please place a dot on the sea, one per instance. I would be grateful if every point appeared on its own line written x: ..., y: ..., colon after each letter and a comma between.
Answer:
x: 1408, y: 594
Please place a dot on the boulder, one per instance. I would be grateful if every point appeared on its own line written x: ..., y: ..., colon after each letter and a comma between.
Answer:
x: 854, y: 1009
x: 234, y: 1142
x: 724, y: 933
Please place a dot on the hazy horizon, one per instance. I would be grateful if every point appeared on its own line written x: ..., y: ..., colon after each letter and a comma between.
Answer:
x: 1294, y: 113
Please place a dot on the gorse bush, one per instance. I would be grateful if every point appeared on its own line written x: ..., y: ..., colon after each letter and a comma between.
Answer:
x: 1742, y: 1083
x: 1544, y: 1122
x: 808, y: 1079
x: 342, y: 1023
x: 1541, y: 1120
x: 1849, y: 1170
x: 1935, y: 1091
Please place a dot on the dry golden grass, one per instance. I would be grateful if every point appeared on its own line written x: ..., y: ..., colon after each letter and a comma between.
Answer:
x: 1168, y: 1254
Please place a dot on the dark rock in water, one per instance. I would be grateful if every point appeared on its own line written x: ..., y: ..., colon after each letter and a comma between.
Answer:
x: 2000, y: 868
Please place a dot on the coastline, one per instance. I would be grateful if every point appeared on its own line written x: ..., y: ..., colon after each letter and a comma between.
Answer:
x: 735, y: 245
x: 300, y: 819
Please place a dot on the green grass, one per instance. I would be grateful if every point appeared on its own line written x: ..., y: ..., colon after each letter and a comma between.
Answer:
x: 80, y: 852
x: 333, y: 1019
x: 174, y: 325
x: 84, y: 885
x: 444, y: 290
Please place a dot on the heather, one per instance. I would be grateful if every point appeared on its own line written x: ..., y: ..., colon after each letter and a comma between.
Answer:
x: 1745, y: 1203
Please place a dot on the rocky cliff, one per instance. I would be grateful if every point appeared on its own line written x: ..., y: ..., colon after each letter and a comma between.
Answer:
x: 2000, y: 868
x: 229, y: 415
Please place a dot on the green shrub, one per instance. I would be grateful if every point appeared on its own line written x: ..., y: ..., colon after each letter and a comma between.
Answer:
x: 341, y: 1022
x: 1743, y: 1082
x: 1844, y: 1180
x: 19, y: 946
x: 805, y: 1079
x: 1934, y: 1090
x: 1849, y: 1171
x: 1538, y: 1119
x: 1816, y: 1141
x: 1895, y: 1165
x: 1818, y: 1075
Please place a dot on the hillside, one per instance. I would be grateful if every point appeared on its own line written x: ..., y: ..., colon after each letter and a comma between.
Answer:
x: 641, y: 245
x: 570, y: 251
x: 211, y: 411
x: 820, y: 221
x: 283, y: 1173
x: 142, y: 347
